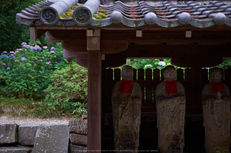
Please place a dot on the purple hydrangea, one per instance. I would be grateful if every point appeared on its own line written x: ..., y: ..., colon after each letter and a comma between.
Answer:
x: 27, y: 46
x: 52, y: 47
x: 8, y: 68
x: 4, y: 51
x: 37, y: 47
x: 4, y: 56
x: 52, y: 52
x: 23, y: 43
x: 23, y: 58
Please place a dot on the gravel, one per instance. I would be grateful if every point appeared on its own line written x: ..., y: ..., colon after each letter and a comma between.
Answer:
x: 33, y: 121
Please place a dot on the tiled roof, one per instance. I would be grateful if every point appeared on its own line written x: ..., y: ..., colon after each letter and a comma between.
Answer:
x: 165, y: 14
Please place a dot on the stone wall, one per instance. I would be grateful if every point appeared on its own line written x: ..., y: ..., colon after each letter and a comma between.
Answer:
x: 44, y: 138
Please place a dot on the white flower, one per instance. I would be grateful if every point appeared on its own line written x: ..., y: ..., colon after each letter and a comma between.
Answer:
x: 148, y: 66
x: 162, y: 63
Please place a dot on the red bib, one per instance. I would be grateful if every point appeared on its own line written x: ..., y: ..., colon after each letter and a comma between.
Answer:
x: 170, y: 87
x: 217, y: 86
x: 125, y: 86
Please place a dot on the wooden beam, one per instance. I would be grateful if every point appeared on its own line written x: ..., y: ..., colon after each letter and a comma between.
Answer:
x: 106, y: 46
x: 94, y: 102
x: 152, y: 36
x: 33, y: 34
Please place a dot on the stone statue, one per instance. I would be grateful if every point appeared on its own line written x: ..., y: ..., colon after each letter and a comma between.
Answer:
x: 126, y: 108
x: 170, y: 106
x: 216, y: 112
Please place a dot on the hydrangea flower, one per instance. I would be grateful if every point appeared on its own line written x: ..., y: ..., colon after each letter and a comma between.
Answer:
x: 23, y: 43
x: 4, y: 51
x: 48, y: 62
x: 3, y: 63
x: 12, y: 52
x: 37, y: 47
x: 4, y: 56
x: 45, y: 47
x: 8, y: 68
x: 27, y: 46
x: 162, y: 63
x: 52, y: 47
x: 19, y: 49
x: 52, y: 52
x: 23, y: 58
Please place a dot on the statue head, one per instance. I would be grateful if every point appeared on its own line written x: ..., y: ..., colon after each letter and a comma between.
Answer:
x: 215, y: 74
x: 127, y: 72
x: 169, y: 73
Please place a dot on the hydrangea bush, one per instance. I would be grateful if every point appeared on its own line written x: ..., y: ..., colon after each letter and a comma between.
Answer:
x: 26, y: 71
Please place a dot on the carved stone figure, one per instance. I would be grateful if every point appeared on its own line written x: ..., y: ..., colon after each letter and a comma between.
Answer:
x: 170, y: 106
x: 216, y: 112
x: 126, y: 108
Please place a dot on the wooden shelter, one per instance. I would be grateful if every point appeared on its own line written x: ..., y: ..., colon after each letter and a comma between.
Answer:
x: 193, y: 34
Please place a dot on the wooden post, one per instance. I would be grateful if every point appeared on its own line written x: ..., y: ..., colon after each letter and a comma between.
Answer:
x: 94, y: 102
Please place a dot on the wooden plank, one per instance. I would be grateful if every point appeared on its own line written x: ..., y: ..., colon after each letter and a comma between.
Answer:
x: 117, y: 74
x: 156, y: 74
x: 134, y: 75
x: 149, y: 92
x: 188, y: 74
x: 140, y: 78
x: 94, y: 101
x: 180, y: 75
x: 205, y: 75
x: 109, y: 74
x: 228, y: 74
x: 162, y: 75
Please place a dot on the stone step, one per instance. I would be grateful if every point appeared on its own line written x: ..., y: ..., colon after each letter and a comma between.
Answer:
x: 15, y: 150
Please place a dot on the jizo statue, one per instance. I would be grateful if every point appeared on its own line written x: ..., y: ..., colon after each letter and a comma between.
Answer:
x: 126, y: 108
x: 170, y: 106
x: 216, y: 112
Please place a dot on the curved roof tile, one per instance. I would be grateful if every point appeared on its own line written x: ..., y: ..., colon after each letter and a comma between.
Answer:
x: 165, y: 14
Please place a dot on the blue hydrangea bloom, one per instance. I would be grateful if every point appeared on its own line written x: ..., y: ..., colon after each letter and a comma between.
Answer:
x: 23, y: 58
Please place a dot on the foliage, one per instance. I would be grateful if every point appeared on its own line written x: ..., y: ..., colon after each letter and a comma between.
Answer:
x: 225, y: 64
x: 12, y: 33
x: 220, y: 150
x: 68, y: 91
x: 27, y: 70
x: 148, y: 63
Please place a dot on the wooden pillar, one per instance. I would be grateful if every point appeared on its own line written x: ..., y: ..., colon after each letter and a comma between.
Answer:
x: 94, y: 102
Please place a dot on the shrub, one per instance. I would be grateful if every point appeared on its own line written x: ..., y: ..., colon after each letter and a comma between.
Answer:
x: 27, y: 70
x: 68, y: 91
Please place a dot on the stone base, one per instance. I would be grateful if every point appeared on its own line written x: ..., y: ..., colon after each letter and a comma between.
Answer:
x: 77, y: 149
x: 15, y: 150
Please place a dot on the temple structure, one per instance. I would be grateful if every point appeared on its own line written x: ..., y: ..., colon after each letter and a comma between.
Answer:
x: 103, y: 34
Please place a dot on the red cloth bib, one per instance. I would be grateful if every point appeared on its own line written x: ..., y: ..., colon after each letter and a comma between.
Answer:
x: 170, y: 87
x: 217, y: 86
x: 125, y: 86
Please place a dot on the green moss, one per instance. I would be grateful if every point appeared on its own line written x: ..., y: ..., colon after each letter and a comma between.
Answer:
x: 40, y: 9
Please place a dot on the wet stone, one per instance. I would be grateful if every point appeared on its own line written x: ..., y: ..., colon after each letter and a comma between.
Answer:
x: 78, y: 139
x: 77, y: 149
x: 52, y: 139
x: 15, y: 150
x: 8, y: 133
x: 78, y: 126
x: 27, y: 134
